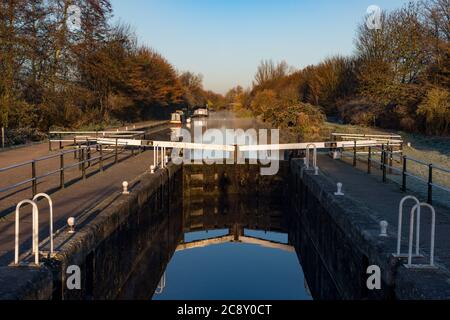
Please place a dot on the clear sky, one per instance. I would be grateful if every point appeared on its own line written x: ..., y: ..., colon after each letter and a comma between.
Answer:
x: 225, y: 40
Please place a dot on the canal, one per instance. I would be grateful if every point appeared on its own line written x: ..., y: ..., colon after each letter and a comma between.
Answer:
x: 240, y: 253
x: 221, y: 246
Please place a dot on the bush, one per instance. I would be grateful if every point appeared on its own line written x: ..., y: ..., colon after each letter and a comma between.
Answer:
x: 15, y: 137
x: 435, y: 109
x: 303, y: 118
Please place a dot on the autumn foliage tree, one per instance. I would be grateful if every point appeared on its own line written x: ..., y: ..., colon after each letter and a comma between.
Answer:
x: 56, y: 73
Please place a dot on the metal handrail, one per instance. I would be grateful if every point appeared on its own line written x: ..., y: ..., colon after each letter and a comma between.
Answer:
x: 90, y: 136
x: 16, y: 185
x: 81, y: 150
x: 389, y: 155
x: 95, y: 132
x: 15, y: 166
x: 363, y: 135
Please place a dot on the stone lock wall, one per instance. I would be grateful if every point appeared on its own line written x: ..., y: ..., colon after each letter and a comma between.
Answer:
x: 336, y: 238
x: 111, y: 244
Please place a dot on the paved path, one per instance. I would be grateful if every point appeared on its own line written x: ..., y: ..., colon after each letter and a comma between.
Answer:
x: 383, y: 199
x: 75, y: 200
x: 9, y: 199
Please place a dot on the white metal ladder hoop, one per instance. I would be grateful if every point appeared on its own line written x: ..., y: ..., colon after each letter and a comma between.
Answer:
x: 411, y: 233
x: 35, y: 232
x: 50, y: 204
x: 400, y: 222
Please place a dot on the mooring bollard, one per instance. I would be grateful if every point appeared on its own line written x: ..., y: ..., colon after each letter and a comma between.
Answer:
x: 71, y: 224
x: 383, y: 228
x: 339, y: 189
x: 125, y: 187
x: 152, y: 168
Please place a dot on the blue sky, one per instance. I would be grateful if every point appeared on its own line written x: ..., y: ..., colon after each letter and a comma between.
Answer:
x: 225, y: 40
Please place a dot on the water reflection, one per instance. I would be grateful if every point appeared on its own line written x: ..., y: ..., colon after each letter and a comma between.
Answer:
x: 241, y: 254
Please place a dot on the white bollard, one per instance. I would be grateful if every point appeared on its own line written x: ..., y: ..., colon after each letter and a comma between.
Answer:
x: 125, y: 188
x: 71, y: 224
x: 316, y: 171
x: 383, y: 228
x: 152, y: 168
x: 167, y: 159
x: 339, y: 189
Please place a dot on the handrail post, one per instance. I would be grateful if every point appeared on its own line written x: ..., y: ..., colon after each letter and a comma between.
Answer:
x: 404, y: 172
x: 116, y: 153
x: 49, y: 142
x: 430, y: 184
x: 391, y: 159
x: 3, y: 137
x: 83, y: 164
x: 88, y: 152
x: 33, y: 176
x: 79, y: 155
x: 354, y: 154
x: 75, y: 145
x: 101, y: 157
x: 61, y: 172
x: 369, y: 161
x: 60, y: 141
x: 384, y: 165
x: 382, y: 157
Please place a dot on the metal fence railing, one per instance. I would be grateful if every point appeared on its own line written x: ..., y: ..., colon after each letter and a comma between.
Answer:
x: 385, y: 159
x: 77, y: 138
x: 85, y: 156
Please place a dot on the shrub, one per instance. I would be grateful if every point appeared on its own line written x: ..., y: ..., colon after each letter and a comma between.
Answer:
x: 435, y: 108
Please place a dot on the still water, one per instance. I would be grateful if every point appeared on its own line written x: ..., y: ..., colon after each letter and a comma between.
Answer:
x: 234, y: 271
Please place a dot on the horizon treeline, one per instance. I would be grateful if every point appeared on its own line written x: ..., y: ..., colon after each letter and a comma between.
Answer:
x: 93, y: 74
x: 398, y: 78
